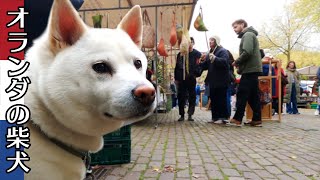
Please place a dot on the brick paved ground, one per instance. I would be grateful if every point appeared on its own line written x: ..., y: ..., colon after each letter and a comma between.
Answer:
x: 199, y: 150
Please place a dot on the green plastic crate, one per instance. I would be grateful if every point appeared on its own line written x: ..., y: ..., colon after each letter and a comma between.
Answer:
x: 123, y: 133
x: 314, y: 106
x: 113, y: 152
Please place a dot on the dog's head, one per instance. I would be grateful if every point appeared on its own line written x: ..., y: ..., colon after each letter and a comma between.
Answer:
x: 91, y: 80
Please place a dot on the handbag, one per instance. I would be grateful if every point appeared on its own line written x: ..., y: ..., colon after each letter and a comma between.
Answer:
x: 148, y: 37
x: 173, y: 32
x: 161, y: 46
x: 198, y: 24
x: 162, y: 49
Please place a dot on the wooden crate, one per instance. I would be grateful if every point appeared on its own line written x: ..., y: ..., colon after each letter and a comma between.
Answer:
x: 266, y: 112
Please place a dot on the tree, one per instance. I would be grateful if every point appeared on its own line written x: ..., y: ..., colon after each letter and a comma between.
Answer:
x: 302, y: 58
x: 286, y: 33
x: 310, y: 11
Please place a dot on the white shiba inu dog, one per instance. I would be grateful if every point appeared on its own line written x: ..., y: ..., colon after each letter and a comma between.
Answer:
x: 86, y: 82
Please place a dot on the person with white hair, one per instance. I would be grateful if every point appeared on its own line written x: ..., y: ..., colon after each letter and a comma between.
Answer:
x: 217, y: 64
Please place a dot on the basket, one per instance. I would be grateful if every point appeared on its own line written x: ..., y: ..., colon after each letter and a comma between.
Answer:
x: 123, y: 133
x: 113, y: 152
x: 116, y: 149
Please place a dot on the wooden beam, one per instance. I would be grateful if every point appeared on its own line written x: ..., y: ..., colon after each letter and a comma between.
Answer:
x: 142, y: 6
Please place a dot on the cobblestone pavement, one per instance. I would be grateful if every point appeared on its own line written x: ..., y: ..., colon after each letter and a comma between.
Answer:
x: 201, y: 150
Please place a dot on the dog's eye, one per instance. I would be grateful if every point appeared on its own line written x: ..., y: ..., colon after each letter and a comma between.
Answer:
x: 102, y: 67
x: 137, y: 64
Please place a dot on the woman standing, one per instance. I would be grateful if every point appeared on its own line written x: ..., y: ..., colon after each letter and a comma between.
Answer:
x: 292, y: 88
x: 317, y: 91
x: 284, y: 82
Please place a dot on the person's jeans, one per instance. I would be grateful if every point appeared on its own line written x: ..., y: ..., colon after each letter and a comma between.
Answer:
x: 197, y: 100
x: 229, y: 101
x: 174, y: 100
x: 292, y: 107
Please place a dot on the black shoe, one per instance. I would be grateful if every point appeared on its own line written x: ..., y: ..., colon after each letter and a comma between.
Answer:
x: 190, y: 118
x: 181, y: 118
x: 254, y: 123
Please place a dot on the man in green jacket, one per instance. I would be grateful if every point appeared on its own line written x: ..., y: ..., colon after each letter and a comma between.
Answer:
x: 250, y: 67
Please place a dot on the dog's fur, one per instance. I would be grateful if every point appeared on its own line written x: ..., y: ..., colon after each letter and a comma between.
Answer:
x: 73, y: 103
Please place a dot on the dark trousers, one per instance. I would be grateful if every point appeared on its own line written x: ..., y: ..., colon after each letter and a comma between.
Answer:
x: 275, y: 102
x: 229, y: 101
x: 248, y: 91
x: 174, y: 100
x: 219, y: 108
x: 292, y: 107
x: 187, y: 88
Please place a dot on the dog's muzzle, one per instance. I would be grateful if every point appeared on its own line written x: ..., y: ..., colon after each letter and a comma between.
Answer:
x: 141, y: 104
x: 144, y: 94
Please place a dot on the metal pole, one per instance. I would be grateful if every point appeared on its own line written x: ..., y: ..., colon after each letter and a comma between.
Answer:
x: 155, y: 64
x: 279, y: 66
x: 84, y: 16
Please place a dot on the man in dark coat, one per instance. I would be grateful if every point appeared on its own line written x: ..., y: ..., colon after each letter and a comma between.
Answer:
x: 217, y: 64
x: 185, y: 78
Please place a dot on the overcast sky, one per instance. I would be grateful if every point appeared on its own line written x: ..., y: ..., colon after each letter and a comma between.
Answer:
x: 219, y: 14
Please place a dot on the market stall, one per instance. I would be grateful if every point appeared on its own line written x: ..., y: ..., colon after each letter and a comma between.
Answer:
x: 266, y: 88
x: 157, y: 14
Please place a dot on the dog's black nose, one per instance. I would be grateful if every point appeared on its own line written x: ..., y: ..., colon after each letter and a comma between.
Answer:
x: 144, y: 94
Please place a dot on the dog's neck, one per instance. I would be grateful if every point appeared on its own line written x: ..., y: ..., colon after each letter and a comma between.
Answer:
x: 84, y: 155
x: 54, y: 129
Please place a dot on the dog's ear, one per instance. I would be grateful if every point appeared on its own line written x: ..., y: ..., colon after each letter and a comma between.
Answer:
x: 132, y: 24
x: 65, y: 25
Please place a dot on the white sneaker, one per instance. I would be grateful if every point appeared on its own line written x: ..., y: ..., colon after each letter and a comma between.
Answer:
x: 218, y: 121
x: 226, y: 121
x: 316, y: 113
